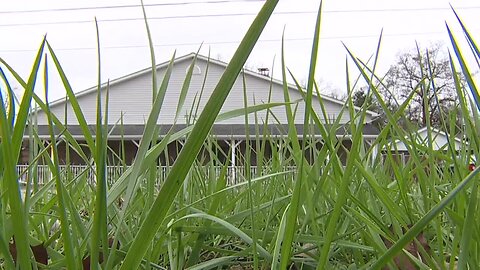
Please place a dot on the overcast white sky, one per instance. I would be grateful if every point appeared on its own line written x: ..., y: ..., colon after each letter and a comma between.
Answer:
x: 184, y: 24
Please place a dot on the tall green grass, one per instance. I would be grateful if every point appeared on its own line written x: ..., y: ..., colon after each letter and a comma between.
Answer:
x: 311, y: 202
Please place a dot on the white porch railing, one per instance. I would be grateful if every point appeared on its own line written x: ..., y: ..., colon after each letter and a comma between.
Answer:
x: 42, y: 174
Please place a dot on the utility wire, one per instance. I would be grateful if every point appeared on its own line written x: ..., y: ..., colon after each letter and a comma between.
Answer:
x: 204, y: 15
x: 225, y: 42
x: 397, y: 9
x: 154, y: 18
x: 228, y: 1
x: 123, y: 6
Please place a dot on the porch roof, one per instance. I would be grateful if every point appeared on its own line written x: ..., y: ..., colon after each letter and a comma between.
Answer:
x: 231, y: 131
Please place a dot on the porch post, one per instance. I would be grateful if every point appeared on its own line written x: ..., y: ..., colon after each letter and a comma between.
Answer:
x: 50, y: 173
x: 374, y: 151
x: 233, y: 159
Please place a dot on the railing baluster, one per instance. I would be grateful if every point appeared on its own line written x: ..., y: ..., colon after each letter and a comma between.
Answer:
x: 235, y: 174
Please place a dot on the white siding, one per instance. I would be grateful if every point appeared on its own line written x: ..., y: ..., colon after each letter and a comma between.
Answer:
x: 132, y: 97
x: 439, y: 141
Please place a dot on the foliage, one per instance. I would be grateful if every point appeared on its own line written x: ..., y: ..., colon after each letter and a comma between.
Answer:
x: 337, y: 208
x: 416, y: 71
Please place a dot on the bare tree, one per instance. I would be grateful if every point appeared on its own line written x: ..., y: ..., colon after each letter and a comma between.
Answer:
x: 361, y: 98
x: 427, y: 73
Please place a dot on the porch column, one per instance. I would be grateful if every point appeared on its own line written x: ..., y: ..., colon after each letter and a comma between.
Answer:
x: 374, y: 151
x: 50, y: 173
x: 233, y: 158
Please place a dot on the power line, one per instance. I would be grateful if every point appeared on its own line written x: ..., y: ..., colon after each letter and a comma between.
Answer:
x: 397, y: 9
x: 226, y: 42
x: 123, y: 6
x: 228, y: 1
x: 156, y: 18
x: 208, y: 15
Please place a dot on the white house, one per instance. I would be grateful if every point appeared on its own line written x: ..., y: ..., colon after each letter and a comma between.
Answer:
x: 439, y: 142
x: 130, y: 99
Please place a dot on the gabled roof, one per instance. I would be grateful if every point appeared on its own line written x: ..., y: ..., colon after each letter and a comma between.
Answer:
x: 440, y: 139
x: 203, y: 58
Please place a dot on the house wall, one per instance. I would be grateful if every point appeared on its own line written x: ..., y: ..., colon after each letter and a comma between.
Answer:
x: 132, y: 98
x: 439, y: 141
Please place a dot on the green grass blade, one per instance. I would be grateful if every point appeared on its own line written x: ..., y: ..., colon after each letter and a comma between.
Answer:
x: 10, y: 99
x: 152, y: 53
x: 248, y: 175
x: 296, y: 197
x: 341, y: 200
x: 279, y: 240
x: 468, y: 36
x: 242, y: 235
x: 99, y: 227
x: 24, y: 108
x: 11, y: 187
x: 293, y: 137
x: 469, y: 223
x: 53, y: 162
x: 419, y: 225
x: 11, y: 147
x: 199, y: 242
x: 468, y: 230
x: 8, y: 261
x: 182, y: 165
x: 185, y: 87
x: 220, y: 193
x: 393, y: 208
x: 466, y: 71
x: 73, y: 100
x: 139, y: 163
x: 213, y: 263
x: 152, y: 154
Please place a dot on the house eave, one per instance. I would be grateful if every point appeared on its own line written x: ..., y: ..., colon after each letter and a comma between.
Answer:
x: 220, y: 131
